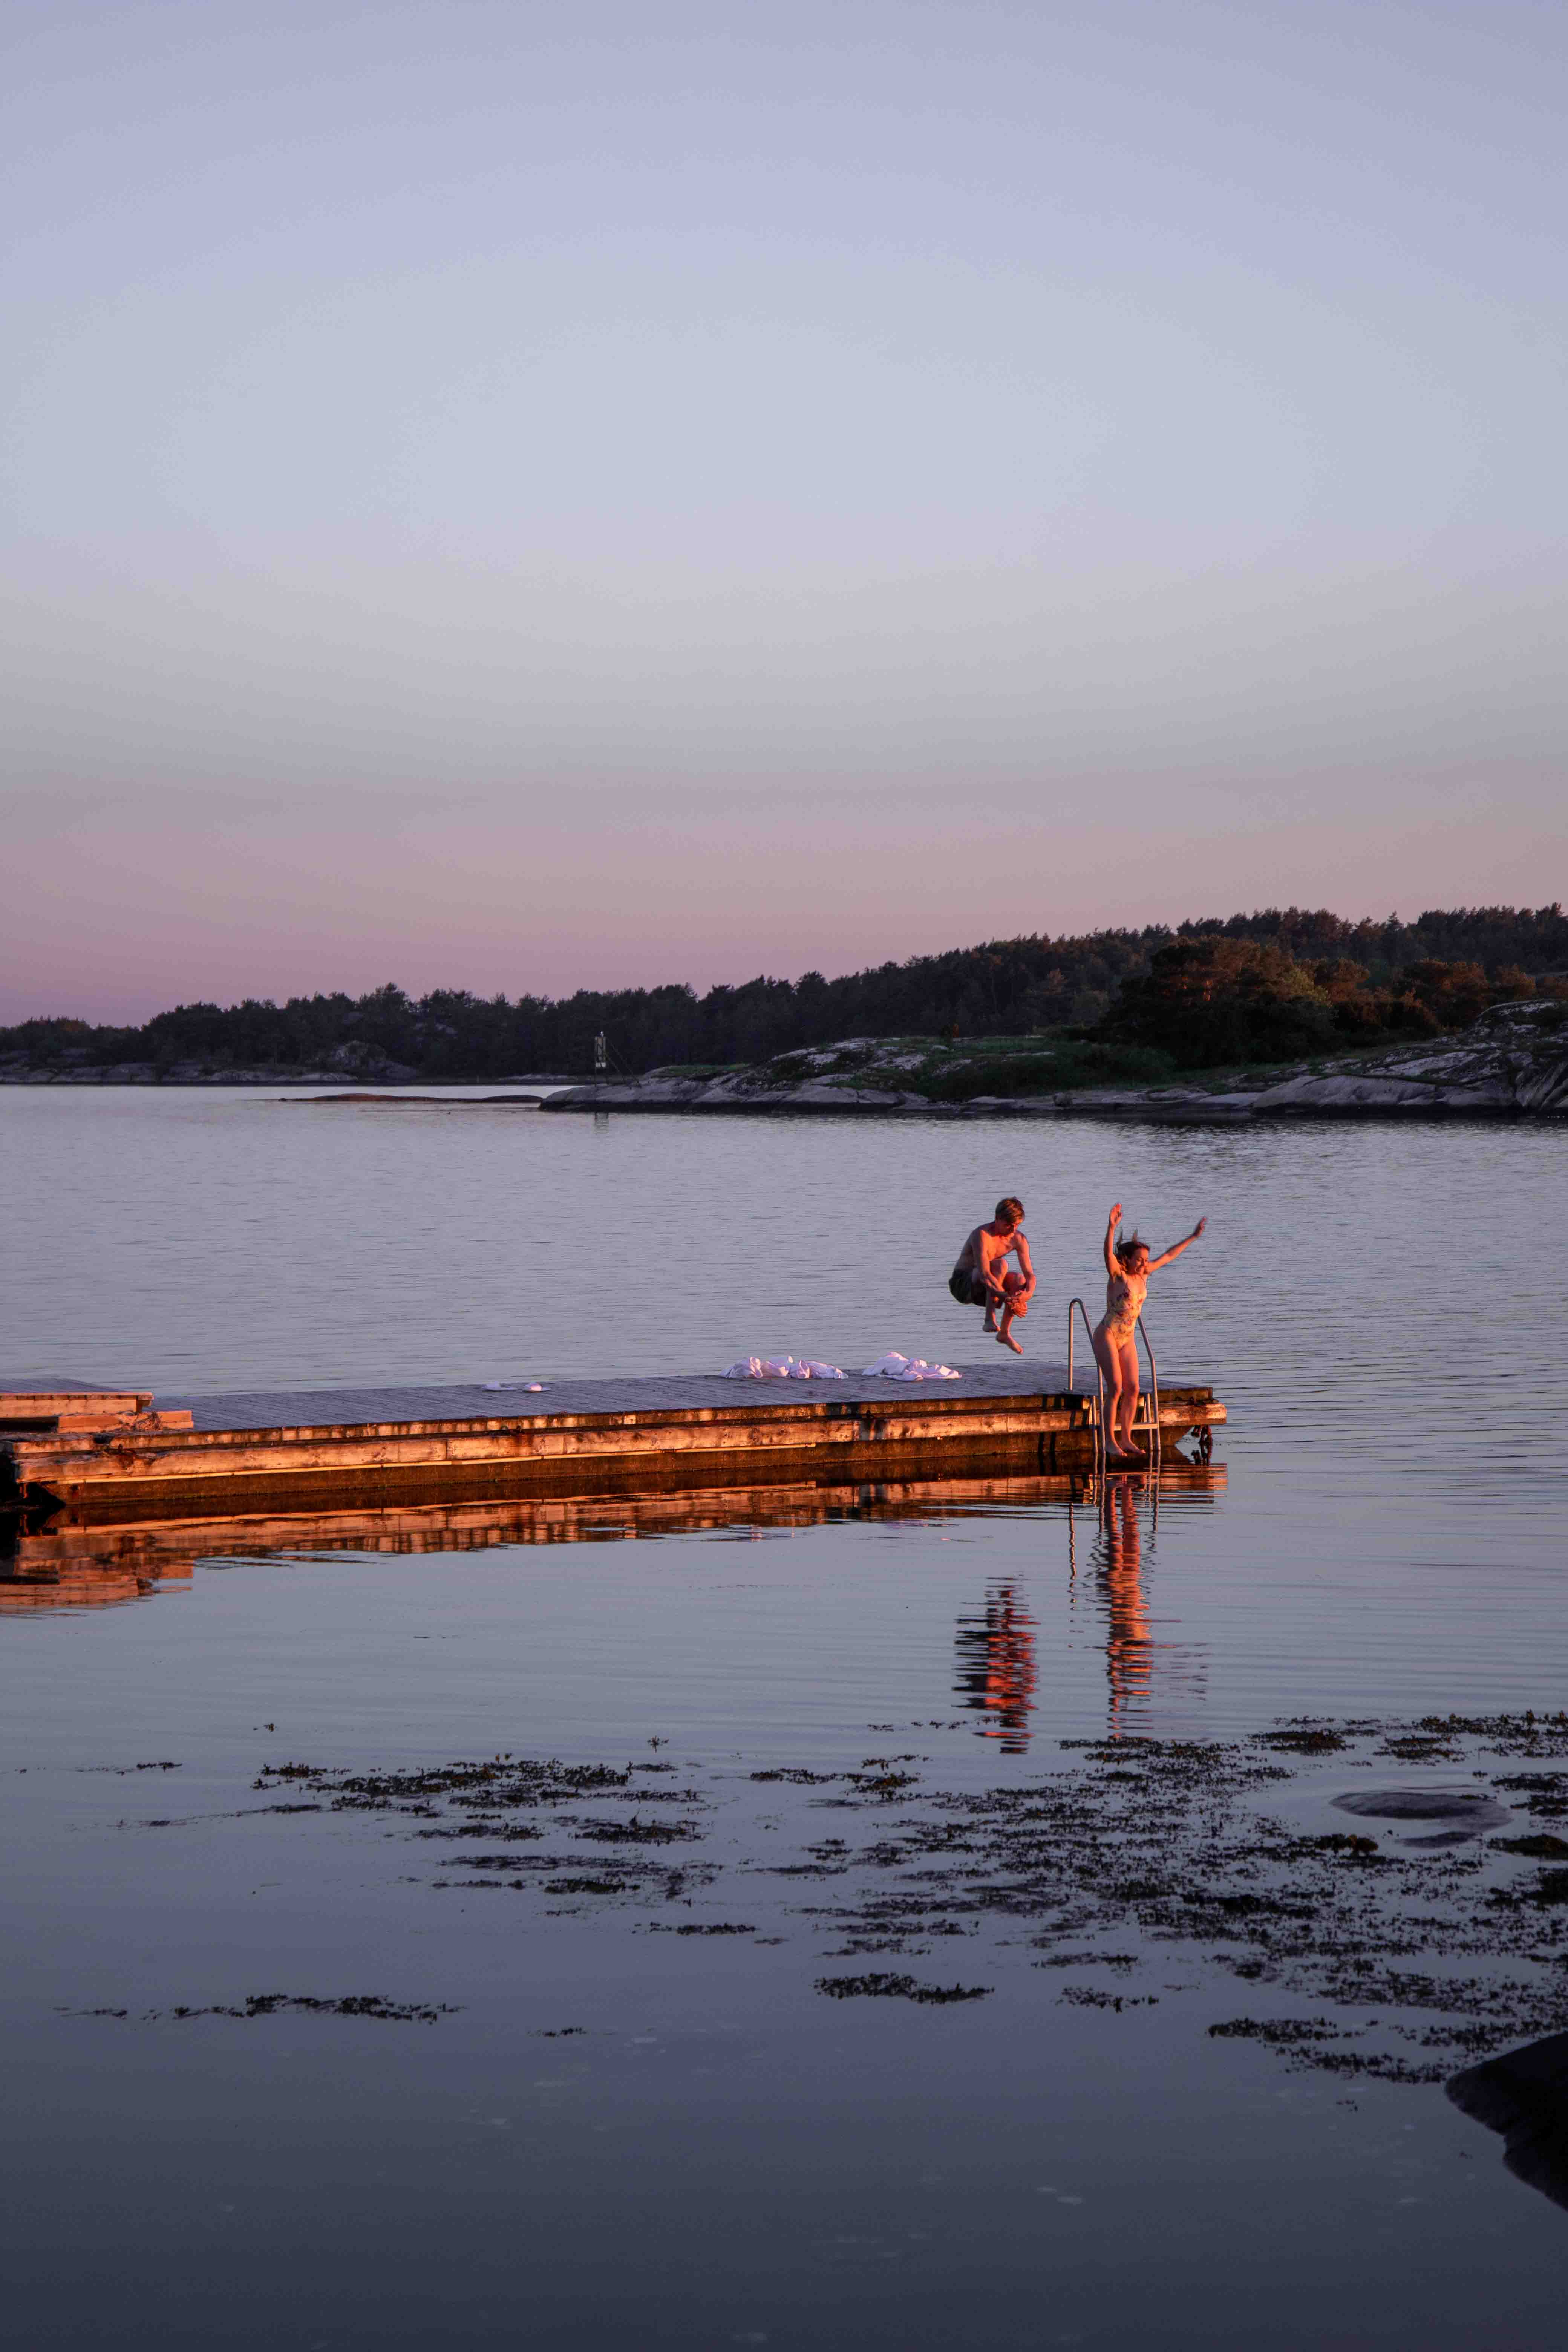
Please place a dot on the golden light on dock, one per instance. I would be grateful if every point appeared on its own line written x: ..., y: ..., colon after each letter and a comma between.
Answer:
x: 102, y: 1456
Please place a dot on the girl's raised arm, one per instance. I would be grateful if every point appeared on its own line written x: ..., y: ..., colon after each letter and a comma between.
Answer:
x: 1115, y: 1219
x: 1177, y: 1247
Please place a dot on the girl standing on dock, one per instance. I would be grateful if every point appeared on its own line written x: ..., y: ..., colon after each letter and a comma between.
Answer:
x: 1128, y: 1266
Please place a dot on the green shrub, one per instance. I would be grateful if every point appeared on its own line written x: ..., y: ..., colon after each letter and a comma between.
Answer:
x: 1097, y: 1064
x: 1057, y: 1072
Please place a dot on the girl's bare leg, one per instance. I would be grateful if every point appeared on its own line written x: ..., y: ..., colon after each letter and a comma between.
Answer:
x: 1108, y: 1356
x: 1128, y: 1396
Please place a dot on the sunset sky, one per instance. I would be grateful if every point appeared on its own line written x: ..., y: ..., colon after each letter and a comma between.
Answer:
x: 520, y: 496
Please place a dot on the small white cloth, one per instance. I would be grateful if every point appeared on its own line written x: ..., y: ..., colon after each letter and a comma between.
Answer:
x: 780, y: 1367
x: 534, y: 1388
x: 894, y: 1367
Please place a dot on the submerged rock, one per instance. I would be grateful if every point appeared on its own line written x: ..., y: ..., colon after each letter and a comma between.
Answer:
x: 1524, y: 2096
x: 1463, y: 1812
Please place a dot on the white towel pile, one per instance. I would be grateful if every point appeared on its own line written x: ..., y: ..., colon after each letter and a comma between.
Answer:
x: 892, y: 1367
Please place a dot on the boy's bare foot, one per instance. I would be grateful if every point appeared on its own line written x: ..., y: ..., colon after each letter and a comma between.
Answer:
x: 1005, y: 1339
x: 989, y: 1325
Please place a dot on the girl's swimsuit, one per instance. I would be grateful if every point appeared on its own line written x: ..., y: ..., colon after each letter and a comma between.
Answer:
x: 1124, y: 1295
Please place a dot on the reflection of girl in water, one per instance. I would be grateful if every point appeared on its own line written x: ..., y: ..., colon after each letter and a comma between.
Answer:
x: 1128, y: 1266
x: 1129, y: 1648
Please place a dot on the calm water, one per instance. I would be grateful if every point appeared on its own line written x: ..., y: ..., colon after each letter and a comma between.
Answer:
x: 721, y: 2157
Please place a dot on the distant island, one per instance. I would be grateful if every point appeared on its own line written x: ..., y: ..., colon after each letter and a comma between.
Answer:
x: 1214, y: 1005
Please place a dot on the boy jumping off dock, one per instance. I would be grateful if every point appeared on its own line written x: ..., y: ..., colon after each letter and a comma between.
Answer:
x: 981, y: 1277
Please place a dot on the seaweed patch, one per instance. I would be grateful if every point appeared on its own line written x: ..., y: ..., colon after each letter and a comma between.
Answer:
x: 894, y: 1988
x: 1411, y: 1954
x: 271, y: 2004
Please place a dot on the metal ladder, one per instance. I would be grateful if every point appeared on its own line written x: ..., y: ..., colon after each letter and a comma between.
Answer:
x: 1078, y: 1305
x: 1148, y: 1400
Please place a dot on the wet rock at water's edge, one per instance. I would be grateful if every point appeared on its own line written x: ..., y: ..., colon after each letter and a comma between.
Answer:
x: 1524, y: 2096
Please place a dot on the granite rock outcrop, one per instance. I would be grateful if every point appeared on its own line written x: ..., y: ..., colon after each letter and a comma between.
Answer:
x: 1512, y: 1064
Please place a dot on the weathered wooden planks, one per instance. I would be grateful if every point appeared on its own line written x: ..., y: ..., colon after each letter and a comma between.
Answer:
x: 48, y: 1408
x: 150, y: 1466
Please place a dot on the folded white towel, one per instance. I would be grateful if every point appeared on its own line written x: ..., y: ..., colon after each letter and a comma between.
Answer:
x: 780, y: 1367
x: 894, y: 1367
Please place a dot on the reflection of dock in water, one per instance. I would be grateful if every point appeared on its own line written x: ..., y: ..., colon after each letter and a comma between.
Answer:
x: 61, y: 1565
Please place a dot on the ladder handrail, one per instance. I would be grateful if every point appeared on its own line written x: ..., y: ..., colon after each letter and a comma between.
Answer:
x: 1153, y: 1404
x: 1152, y: 1392
x: 1100, y: 1375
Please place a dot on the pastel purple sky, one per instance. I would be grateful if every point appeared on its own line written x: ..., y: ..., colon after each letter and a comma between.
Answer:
x: 519, y: 495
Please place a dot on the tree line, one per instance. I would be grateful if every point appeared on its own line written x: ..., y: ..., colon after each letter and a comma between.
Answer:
x: 1216, y: 999
x: 1234, y: 988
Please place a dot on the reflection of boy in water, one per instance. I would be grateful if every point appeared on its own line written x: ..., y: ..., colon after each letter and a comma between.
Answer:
x: 997, y: 1668
x: 981, y: 1277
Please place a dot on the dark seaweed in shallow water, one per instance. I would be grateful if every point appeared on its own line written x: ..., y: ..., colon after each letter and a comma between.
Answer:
x: 1542, y: 1792
x: 496, y: 1780
x: 1162, y: 1845
x: 703, y: 1927
x: 636, y: 1832
x: 1283, y: 2032
x: 513, y: 1832
x: 1302, y: 1740
x: 354, y: 2004
x: 1551, y: 1887
x: 894, y: 1988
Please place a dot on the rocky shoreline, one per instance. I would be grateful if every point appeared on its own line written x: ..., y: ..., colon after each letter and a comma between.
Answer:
x: 1513, y: 1064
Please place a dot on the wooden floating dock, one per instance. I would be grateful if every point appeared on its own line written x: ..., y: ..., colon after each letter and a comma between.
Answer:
x: 98, y: 1456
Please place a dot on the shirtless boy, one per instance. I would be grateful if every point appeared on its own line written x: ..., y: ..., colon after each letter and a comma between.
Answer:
x: 981, y: 1279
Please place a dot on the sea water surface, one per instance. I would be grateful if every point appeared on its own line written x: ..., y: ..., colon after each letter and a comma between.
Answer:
x: 714, y: 2153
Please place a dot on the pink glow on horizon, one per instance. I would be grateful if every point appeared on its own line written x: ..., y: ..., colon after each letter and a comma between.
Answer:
x: 566, y: 496
x: 139, y: 942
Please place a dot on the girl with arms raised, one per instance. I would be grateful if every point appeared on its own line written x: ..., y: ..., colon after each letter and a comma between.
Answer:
x: 1128, y: 1266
